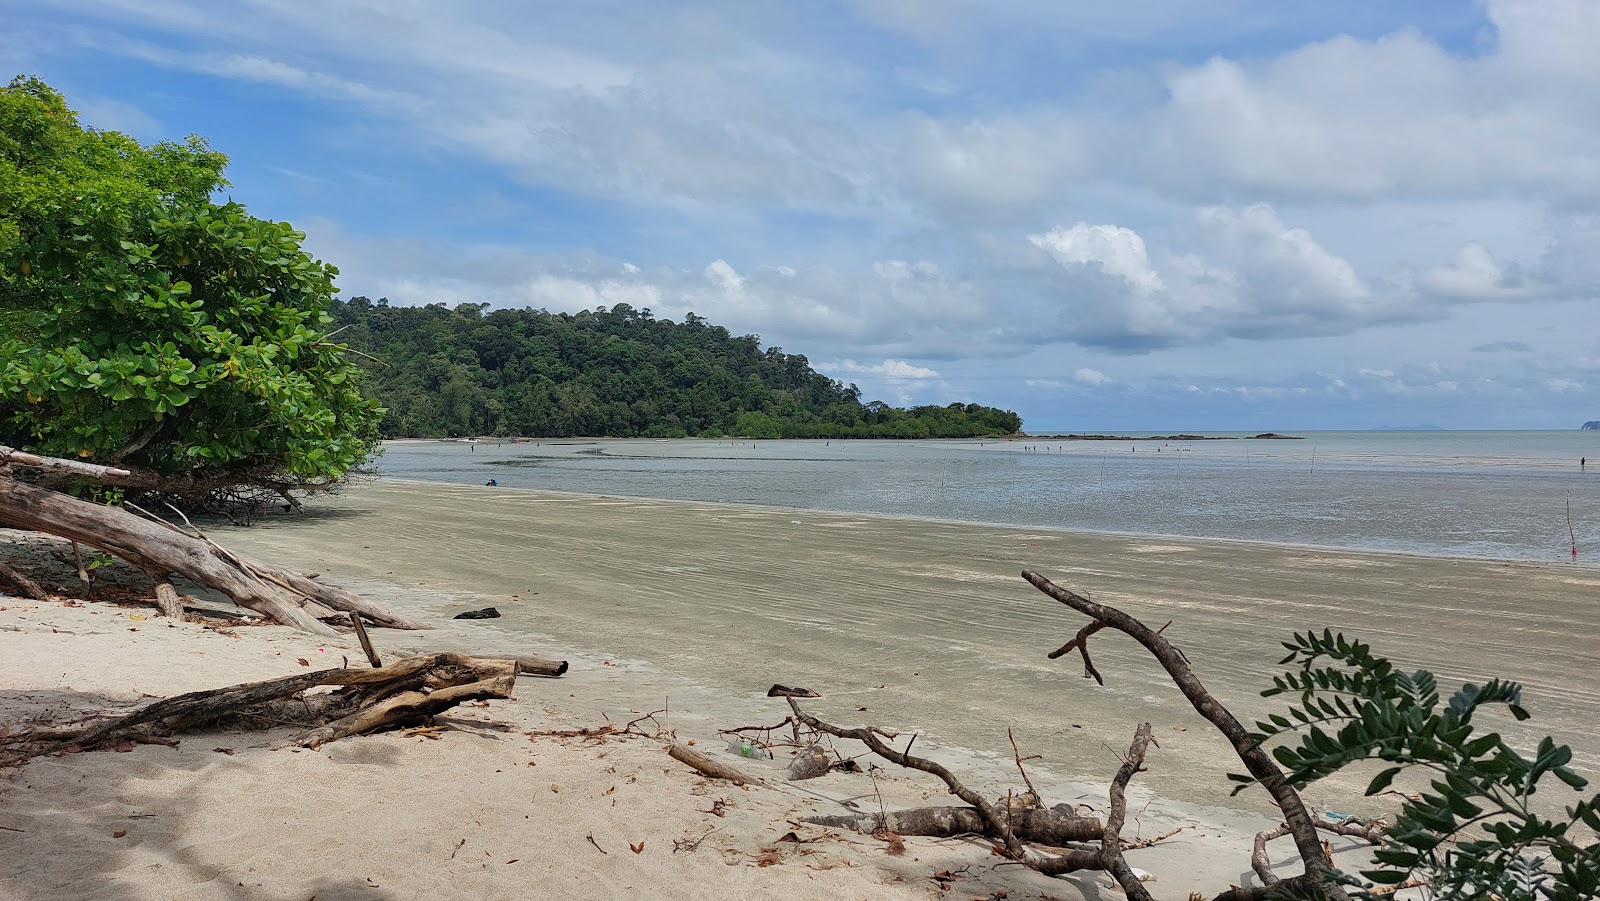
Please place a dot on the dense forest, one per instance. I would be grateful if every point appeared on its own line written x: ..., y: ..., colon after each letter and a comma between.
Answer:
x: 618, y: 372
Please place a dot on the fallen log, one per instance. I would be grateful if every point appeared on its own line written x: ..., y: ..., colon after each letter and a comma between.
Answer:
x: 365, y: 700
x: 1037, y: 825
x: 535, y: 666
x: 22, y: 583
x: 158, y: 547
x: 708, y: 765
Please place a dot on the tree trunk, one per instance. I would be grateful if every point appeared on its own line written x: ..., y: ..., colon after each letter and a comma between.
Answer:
x: 154, y: 547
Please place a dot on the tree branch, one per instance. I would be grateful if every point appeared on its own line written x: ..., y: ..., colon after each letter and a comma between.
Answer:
x: 1318, y: 871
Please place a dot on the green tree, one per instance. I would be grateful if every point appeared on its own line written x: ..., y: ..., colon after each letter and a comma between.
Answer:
x: 616, y: 371
x: 146, y: 326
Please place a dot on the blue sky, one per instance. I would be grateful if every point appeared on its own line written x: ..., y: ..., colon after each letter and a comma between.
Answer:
x: 1250, y: 214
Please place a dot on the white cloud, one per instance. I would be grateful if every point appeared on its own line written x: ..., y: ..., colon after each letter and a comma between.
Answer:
x: 1112, y: 249
x: 893, y: 370
x: 1092, y: 377
x: 1394, y: 116
x: 994, y: 169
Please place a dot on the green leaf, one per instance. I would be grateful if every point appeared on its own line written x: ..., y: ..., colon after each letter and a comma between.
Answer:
x: 1382, y: 780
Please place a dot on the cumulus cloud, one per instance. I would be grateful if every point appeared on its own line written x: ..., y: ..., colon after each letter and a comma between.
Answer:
x: 1092, y: 377
x: 1397, y: 115
x: 1235, y: 273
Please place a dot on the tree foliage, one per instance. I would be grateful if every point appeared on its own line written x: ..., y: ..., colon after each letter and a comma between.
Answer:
x: 618, y: 372
x: 146, y: 325
x: 1476, y: 832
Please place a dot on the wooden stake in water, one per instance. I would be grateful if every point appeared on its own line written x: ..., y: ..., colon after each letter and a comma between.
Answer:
x: 1570, y: 533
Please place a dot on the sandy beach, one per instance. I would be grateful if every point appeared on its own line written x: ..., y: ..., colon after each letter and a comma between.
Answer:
x: 922, y: 626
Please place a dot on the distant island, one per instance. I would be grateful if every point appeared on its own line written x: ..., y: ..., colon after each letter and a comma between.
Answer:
x: 617, y: 372
x: 1263, y: 436
x: 1591, y: 425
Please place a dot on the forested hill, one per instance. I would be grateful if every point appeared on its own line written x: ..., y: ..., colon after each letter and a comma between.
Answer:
x: 618, y: 372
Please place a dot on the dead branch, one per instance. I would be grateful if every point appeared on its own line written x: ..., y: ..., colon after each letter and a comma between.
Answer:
x: 366, y: 642
x: 996, y: 826
x: 365, y: 700
x: 1016, y: 754
x: 1138, y: 844
x: 1109, y: 856
x: 1081, y: 642
x: 1319, y: 874
x: 708, y: 765
x: 161, y: 547
x: 1370, y: 831
x: 34, y: 461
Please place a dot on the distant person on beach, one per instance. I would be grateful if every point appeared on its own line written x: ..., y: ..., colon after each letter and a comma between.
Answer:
x: 492, y: 483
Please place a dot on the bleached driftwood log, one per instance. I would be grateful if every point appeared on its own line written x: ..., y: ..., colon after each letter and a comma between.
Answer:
x: 157, y: 547
x: 364, y: 700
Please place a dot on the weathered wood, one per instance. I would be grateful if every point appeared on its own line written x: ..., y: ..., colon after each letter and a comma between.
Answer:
x: 27, y: 586
x: 535, y: 666
x: 368, y: 699
x: 1044, y: 827
x: 1109, y: 856
x: 495, y: 679
x: 158, y: 547
x: 83, y: 574
x: 34, y: 461
x: 168, y: 601
x: 1257, y: 761
x: 708, y: 765
x: 366, y: 643
x: 995, y: 823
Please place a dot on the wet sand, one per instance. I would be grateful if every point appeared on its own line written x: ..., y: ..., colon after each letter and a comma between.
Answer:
x: 927, y: 624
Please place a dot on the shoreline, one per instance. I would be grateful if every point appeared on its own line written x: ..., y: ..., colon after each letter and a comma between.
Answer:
x: 821, y: 597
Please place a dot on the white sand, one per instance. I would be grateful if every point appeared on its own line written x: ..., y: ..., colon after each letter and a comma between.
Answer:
x: 925, y: 624
x: 381, y: 817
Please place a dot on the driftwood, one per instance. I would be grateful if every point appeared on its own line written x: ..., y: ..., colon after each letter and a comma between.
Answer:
x: 364, y: 700
x: 535, y: 666
x: 159, y: 547
x: 22, y: 583
x: 366, y: 641
x: 1370, y: 831
x: 1011, y: 826
x: 1319, y: 876
x: 1000, y: 821
x: 1055, y: 828
x: 708, y: 765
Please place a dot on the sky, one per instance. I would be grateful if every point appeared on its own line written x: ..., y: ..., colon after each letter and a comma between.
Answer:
x: 1239, y: 214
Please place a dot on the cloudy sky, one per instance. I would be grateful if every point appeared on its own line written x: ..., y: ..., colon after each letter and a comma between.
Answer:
x: 1243, y: 214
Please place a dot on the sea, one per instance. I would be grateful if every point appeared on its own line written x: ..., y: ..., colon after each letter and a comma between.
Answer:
x: 1514, y: 495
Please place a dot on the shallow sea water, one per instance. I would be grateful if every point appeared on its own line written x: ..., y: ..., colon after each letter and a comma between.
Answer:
x: 1472, y: 494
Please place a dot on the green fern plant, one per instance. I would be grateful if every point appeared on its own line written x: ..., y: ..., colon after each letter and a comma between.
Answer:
x: 1475, y: 834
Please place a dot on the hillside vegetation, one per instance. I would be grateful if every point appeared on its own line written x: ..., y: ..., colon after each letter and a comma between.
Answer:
x: 616, y: 372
